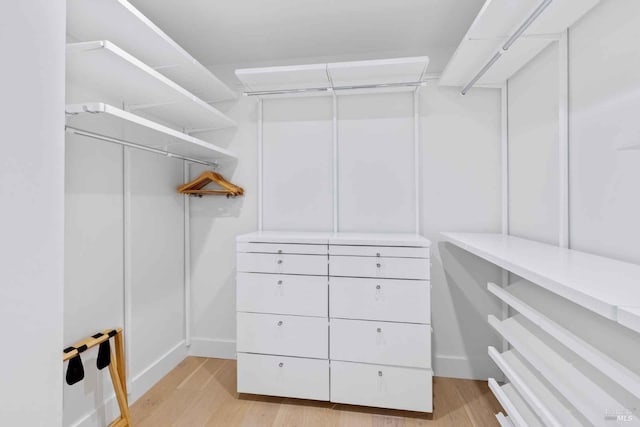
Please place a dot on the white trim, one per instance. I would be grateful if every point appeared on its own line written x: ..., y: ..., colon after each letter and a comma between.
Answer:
x: 563, y: 138
x: 153, y: 373
x: 141, y: 383
x: 260, y: 122
x: 472, y: 368
x: 187, y: 258
x: 215, y: 348
x: 127, y: 262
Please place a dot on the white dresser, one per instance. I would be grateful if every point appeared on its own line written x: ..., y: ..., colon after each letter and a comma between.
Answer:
x: 343, y: 317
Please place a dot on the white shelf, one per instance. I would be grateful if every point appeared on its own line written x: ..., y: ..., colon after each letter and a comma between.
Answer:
x: 601, y: 342
x: 113, y: 122
x: 597, y: 283
x: 592, y: 395
x: 629, y: 317
x: 338, y: 76
x: 109, y: 70
x: 552, y: 408
x: 284, y: 78
x: 378, y: 72
x: 121, y: 23
x: 503, y: 420
x: 495, y: 22
x: 519, y: 412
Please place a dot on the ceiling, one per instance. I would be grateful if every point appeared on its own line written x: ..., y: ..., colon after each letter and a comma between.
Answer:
x: 243, y: 33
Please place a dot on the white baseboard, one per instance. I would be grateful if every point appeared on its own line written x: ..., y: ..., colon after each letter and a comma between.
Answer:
x: 216, y: 348
x: 140, y: 384
x: 479, y: 368
x: 143, y: 381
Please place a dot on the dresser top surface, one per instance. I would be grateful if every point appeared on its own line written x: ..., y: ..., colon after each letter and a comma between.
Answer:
x: 340, y: 238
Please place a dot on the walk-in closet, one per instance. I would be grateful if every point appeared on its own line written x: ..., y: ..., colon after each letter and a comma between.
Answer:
x: 313, y: 213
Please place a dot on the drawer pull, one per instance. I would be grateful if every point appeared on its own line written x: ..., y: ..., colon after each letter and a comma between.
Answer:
x: 378, y: 287
x: 279, y: 261
x: 378, y: 265
x: 279, y: 282
x: 279, y: 251
x: 280, y: 364
x: 280, y: 323
x: 379, y: 373
x: 379, y: 330
x: 378, y: 254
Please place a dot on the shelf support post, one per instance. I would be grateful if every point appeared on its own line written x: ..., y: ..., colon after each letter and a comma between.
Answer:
x: 260, y: 122
x: 336, y: 225
x: 563, y: 138
x: 504, y: 163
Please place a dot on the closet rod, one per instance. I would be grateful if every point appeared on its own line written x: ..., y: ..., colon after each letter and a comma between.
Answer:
x: 105, y: 138
x: 335, y: 88
x: 510, y: 41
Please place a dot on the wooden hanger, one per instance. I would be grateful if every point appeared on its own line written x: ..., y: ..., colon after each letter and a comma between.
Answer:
x: 196, y: 186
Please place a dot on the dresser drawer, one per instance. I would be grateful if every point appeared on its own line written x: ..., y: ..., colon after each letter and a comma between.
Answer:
x: 386, y: 343
x: 282, y: 294
x: 390, y: 268
x: 382, y: 386
x: 285, y: 335
x: 282, y: 248
x: 282, y: 263
x: 380, y: 251
x: 380, y: 299
x: 283, y: 376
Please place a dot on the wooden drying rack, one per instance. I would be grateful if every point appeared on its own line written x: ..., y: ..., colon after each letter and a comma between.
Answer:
x: 117, y: 368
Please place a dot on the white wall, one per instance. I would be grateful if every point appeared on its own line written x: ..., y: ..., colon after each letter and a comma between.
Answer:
x: 99, y: 258
x: 461, y: 191
x: 376, y: 135
x: 157, y: 261
x: 297, y: 174
x: 93, y: 262
x: 604, y: 63
x: 95, y: 273
x: 376, y: 184
x: 31, y: 212
x: 215, y: 223
x: 533, y: 149
x: 604, y: 102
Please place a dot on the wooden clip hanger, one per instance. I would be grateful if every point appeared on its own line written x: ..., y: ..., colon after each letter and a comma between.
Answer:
x: 197, y: 186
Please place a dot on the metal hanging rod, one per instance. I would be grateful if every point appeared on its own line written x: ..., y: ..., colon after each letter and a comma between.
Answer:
x: 335, y: 88
x: 481, y: 72
x: 76, y: 131
x: 510, y: 41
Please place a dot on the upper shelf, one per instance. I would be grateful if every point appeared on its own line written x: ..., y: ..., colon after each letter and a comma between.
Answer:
x: 334, y: 76
x: 110, y: 70
x: 113, y: 122
x: 496, y: 22
x: 284, y: 78
x: 121, y: 23
x: 597, y: 283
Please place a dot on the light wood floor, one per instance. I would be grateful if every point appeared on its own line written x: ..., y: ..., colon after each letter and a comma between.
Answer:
x: 202, y: 392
